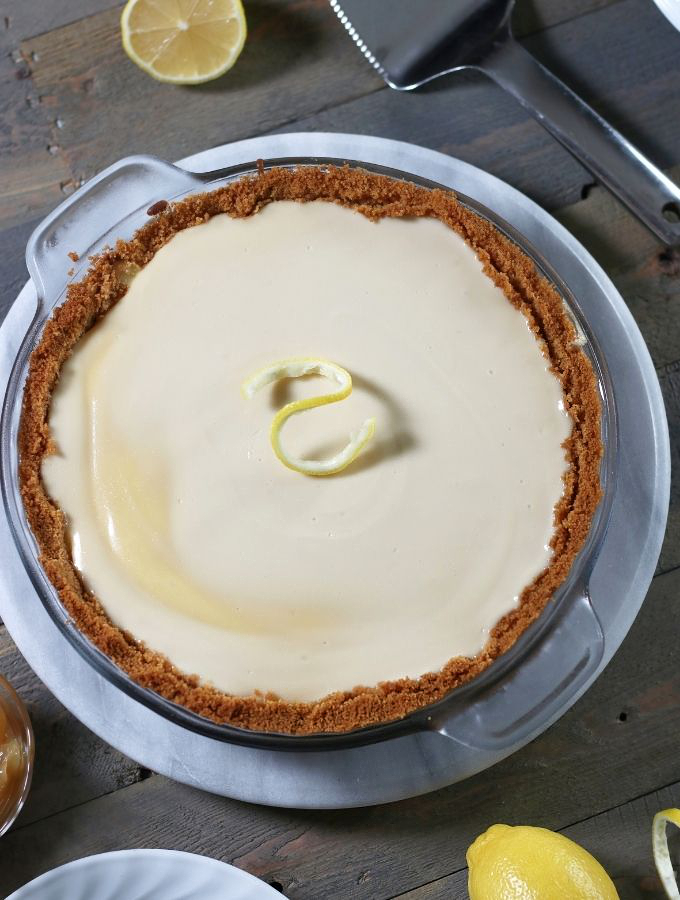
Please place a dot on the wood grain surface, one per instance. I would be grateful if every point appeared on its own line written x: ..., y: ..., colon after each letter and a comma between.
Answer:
x: 71, y: 103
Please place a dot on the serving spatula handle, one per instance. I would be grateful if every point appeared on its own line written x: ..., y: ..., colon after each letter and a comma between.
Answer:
x: 620, y: 166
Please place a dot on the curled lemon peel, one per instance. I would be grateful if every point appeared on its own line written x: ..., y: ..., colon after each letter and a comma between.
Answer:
x: 297, y: 367
x: 662, y: 857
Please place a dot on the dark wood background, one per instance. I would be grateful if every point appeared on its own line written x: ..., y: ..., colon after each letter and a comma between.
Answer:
x: 71, y: 103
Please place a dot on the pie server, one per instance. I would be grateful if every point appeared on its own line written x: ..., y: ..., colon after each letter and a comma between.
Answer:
x: 410, y: 43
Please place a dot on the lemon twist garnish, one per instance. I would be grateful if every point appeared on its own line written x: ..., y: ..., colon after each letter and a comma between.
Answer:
x: 297, y: 368
x: 662, y: 857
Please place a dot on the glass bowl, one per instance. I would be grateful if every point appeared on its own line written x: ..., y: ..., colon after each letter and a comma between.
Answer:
x: 14, y: 725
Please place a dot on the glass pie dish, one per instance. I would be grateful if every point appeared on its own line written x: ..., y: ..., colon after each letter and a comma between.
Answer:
x: 568, y: 633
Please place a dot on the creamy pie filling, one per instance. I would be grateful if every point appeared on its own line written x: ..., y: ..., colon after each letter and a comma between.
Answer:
x: 200, y: 543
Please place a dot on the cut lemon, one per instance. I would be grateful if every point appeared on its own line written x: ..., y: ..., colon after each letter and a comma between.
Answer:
x: 183, y: 41
x: 297, y: 368
x: 662, y: 857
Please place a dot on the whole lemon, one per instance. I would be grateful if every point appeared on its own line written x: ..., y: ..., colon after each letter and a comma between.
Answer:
x: 526, y: 863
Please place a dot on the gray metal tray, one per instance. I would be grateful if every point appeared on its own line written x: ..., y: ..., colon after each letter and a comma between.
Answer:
x: 559, y: 659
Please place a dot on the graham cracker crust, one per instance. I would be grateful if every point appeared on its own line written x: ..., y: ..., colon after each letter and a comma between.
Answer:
x: 376, y: 197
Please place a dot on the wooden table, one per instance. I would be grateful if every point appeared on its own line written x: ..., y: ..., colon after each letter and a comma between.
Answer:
x: 70, y: 104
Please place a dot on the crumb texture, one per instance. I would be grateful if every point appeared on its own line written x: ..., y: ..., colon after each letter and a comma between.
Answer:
x: 376, y: 197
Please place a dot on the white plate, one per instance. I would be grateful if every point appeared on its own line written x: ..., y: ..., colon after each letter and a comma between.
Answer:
x: 146, y: 875
x: 670, y: 9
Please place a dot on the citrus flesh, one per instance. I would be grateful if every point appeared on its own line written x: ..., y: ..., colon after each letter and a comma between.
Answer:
x: 183, y: 41
x: 526, y: 863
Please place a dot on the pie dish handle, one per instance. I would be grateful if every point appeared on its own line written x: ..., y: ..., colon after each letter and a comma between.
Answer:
x: 516, y: 707
x: 93, y: 209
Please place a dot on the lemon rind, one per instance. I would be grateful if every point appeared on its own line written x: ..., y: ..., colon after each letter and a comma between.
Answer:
x: 662, y: 856
x: 296, y: 367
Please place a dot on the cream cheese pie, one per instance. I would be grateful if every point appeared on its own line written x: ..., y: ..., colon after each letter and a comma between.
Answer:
x: 257, y: 595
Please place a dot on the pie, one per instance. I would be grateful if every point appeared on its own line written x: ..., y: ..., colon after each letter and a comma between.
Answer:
x: 254, y: 594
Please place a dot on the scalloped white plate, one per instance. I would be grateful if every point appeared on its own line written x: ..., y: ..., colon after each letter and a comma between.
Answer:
x: 146, y: 875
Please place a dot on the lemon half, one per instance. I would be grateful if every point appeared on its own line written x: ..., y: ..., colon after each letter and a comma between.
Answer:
x: 297, y: 367
x: 183, y: 41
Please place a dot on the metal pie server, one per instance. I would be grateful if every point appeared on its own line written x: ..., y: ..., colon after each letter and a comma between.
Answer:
x: 410, y: 43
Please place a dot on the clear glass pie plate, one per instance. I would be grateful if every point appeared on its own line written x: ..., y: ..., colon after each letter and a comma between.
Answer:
x: 567, y: 638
